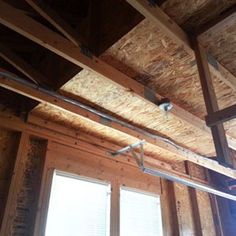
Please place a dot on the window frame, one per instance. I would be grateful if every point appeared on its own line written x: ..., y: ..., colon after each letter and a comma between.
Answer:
x: 81, y: 178
x: 101, y: 168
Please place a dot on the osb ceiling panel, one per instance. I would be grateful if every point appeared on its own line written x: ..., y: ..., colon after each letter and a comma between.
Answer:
x: 80, y: 123
x: 221, y: 43
x: 150, y: 57
x: 193, y: 13
x: 147, y: 55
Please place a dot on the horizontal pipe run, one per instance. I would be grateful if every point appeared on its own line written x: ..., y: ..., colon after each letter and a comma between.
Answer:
x: 150, y: 171
x: 92, y: 110
x: 41, y: 94
x: 188, y: 183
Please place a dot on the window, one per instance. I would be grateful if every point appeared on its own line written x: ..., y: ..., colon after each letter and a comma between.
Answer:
x: 78, y: 206
x: 140, y: 214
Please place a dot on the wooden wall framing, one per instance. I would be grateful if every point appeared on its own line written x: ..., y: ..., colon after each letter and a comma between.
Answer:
x: 79, y: 159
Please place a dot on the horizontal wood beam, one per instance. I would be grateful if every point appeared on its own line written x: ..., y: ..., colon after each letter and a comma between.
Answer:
x: 63, y: 103
x: 174, y: 32
x: 46, y: 12
x: 79, y: 140
x: 38, y: 33
x: 22, y: 66
x: 221, y: 116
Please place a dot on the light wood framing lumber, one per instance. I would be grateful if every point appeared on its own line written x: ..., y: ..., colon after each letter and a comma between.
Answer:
x: 31, y: 29
x: 48, y: 130
x: 41, y: 96
x: 210, y: 99
x: 38, y: 33
x: 174, y: 32
x: 221, y: 116
x: 45, y: 11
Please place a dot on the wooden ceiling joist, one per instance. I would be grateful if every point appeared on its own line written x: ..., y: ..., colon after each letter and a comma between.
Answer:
x: 174, y: 32
x: 45, y: 37
x: 46, y: 12
x: 13, y: 59
x: 26, y: 26
x: 48, y: 130
x: 41, y: 96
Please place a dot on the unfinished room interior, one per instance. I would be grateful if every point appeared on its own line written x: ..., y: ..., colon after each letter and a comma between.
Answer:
x: 117, y: 117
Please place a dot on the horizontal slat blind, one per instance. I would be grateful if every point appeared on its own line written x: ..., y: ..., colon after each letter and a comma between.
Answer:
x: 78, y: 207
x: 140, y: 214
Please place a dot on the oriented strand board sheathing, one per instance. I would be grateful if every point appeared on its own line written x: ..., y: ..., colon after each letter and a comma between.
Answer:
x: 96, y: 129
x: 155, y: 61
x: 221, y: 44
x: 147, y: 55
x: 119, y: 101
x: 192, y: 13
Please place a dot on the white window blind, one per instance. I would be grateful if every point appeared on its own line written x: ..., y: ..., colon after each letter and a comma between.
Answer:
x: 78, y: 207
x: 140, y: 214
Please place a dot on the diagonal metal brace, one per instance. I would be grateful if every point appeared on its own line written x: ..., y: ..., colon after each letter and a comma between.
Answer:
x: 131, y: 148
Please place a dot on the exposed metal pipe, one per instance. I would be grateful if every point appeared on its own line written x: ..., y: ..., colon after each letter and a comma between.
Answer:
x: 125, y: 124
x: 93, y: 110
x: 187, y: 182
x: 169, y: 176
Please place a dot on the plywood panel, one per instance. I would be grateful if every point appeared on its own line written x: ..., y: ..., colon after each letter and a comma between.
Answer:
x: 222, y: 45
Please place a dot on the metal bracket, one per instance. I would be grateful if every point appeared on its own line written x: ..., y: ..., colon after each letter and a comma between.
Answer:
x: 86, y: 51
x: 130, y: 148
